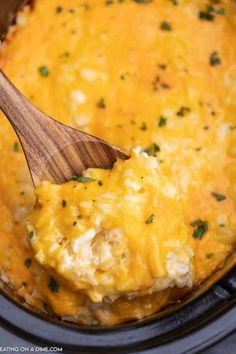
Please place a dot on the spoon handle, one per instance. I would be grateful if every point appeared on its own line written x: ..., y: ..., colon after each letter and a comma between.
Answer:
x: 16, y: 108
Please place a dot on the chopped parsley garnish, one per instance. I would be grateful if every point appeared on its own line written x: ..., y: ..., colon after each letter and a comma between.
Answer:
x: 206, y: 16
x: 108, y: 2
x: 155, y: 83
x: 53, y: 285
x: 219, y: 197
x: 162, y: 66
x: 65, y: 55
x: 143, y: 126
x: 83, y: 179
x: 43, y: 70
x: 210, y: 255
x: 165, y: 26
x: 164, y: 85
x: 64, y: 203
x: 101, y: 103
x: 142, y: 1
x: 174, y: 2
x: 162, y: 121
x: 150, y: 219
x: 201, y: 228
x: 31, y: 234
x: 152, y: 149
x: 182, y: 111
x: 220, y: 11
x: 100, y: 183
x: 211, y: 11
x: 214, y: 59
x: 79, y: 217
x: 28, y: 262
x: 74, y: 223
x: 16, y: 147
x: 59, y: 9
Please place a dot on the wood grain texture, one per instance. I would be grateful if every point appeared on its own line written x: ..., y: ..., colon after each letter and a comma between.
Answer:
x: 54, y: 151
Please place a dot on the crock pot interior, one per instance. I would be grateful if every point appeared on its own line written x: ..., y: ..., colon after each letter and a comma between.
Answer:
x: 217, y: 296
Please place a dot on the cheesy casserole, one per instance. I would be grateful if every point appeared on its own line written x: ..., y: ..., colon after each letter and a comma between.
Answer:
x: 158, y: 79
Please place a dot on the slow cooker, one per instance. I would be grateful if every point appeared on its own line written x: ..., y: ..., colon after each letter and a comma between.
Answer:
x: 200, y: 319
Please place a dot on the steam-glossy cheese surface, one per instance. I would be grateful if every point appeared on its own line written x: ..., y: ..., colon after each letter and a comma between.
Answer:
x: 116, y: 232
x: 157, y: 74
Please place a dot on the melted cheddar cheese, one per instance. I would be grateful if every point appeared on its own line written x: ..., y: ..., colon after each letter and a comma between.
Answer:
x: 118, y: 232
x: 158, y: 74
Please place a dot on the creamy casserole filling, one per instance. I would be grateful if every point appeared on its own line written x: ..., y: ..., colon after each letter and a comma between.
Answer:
x: 156, y: 74
x: 115, y: 232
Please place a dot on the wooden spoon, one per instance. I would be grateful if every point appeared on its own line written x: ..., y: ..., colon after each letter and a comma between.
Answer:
x: 54, y: 151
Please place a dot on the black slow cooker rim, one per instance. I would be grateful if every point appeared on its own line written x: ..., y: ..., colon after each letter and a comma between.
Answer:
x: 191, y: 328
x: 197, y: 324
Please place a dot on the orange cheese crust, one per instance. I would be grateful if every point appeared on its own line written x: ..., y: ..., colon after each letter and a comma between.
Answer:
x: 134, y: 73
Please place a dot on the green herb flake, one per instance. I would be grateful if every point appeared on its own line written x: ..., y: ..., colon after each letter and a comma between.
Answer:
x: 201, y: 228
x: 101, y: 104
x: 219, y: 197
x: 31, y: 234
x: 206, y: 16
x: 100, y: 183
x: 16, y: 147
x: 108, y: 2
x: 174, y: 2
x: 66, y: 54
x: 164, y: 85
x: 79, y: 217
x: 210, y: 8
x: 43, y: 70
x: 143, y: 126
x: 74, y: 223
x: 83, y: 179
x: 28, y: 262
x: 58, y: 9
x: 64, y: 203
x: 214, y: 59
x: 53, y: 285
x: 209, y: 255
x: 165, y: 26
x: 150, y: 219
x: 155, y: 83
x: 152, y: 149
x: 162, y: 66
x: 220, y: 11
x: 142, y: 1
x: 183, y: 111
x: 162, y: 121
